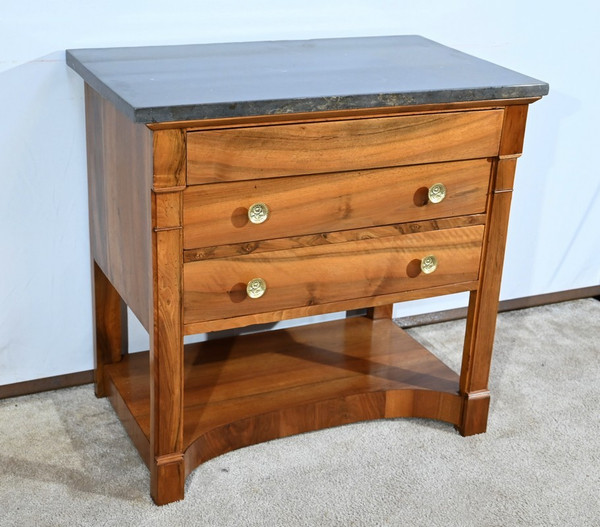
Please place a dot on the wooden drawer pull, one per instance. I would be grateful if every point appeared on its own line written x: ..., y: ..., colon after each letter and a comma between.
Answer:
x: 429, y: 264
x: 436, y: 193
x: 256, y: 288
x: 258, y: 213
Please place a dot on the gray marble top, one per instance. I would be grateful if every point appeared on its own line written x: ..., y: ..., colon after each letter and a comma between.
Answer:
x: 177, y: 83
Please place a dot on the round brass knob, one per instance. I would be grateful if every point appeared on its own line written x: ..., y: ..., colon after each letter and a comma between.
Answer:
x: 256, y: 288
x: 429, y: 264
x: 258, y: 213
x: 436, y: 193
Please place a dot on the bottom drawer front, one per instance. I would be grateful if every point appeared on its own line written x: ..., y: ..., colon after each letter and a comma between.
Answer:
x: 215, y: 289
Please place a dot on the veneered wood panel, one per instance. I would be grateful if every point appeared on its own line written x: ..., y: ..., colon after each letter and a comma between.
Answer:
x: 513, y: 130
x: 321, y: 309
x: 119, y: 155
x: 244, y: 390
x: 335, y: 146
x: 329, y: 238
x: 218, y: 214
x: 169, y: 158
x: 322, y: 274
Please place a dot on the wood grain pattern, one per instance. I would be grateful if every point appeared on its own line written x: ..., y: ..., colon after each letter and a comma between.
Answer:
x: 244, y: 390
x: 513, y: 130
x: 318, y: 275
x: 483, y: 306
x: 482, y: 312
x: 169, y: 166
x: 329, y: 238
x: 218, y: 214
x: 505, y: 175
x: 320, y: 309
x: 347, y: 230
x: 120, y: 390
x: 296, y: 149
x: 110, y: 327
x: 483, y: 303
x: 119, y: 155
x: 166, y: 352
x: 167, y: 470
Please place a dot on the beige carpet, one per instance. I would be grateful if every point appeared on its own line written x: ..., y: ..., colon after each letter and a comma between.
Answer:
x: 66, y: 461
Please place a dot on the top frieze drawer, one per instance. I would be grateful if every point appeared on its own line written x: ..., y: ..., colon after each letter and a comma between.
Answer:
x: 258, y: 152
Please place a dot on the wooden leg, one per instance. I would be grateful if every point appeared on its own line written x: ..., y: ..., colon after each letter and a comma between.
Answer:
x: 481, y: 317
x: 167, y: 479
x: 385, y: 311
x: 110, y: 327
x: 475, y: 413
x: 166, y: 365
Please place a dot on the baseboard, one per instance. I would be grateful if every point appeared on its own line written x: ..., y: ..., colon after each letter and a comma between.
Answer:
x: 505, y: 305
x: 49, y: 383
x: 86, y: 377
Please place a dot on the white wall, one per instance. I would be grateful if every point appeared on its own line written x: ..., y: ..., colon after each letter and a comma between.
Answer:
x: 45, y: 313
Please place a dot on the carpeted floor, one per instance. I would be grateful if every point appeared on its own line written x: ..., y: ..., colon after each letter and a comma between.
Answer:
x: 66, y: 461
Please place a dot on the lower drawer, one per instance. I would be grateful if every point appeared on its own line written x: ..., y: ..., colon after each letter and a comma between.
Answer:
x: 217, y: 288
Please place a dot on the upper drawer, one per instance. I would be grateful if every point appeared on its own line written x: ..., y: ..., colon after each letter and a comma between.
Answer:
x: 218, y: 214
x: 335, y: 146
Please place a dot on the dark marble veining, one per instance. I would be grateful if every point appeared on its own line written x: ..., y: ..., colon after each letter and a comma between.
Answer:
x: 176, y: 83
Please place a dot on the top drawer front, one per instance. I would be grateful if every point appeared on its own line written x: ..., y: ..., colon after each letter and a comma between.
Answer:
x: 296, y: 149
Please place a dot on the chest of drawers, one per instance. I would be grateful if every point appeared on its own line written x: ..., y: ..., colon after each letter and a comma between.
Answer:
x: 241, y: 184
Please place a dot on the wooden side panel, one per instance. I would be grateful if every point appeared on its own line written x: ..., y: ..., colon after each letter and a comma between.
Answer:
x: 322, y: 274
x: 119, y: 181
x: 218, y: 214
x: 295, y: 149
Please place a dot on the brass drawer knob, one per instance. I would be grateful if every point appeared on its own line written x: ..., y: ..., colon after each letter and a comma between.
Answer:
x: 256, y: 288
x: 436, y: 193
x: 258, y: 213
x: 429, y: 264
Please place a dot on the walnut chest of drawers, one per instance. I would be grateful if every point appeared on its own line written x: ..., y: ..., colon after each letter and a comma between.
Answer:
x: 240, y: 184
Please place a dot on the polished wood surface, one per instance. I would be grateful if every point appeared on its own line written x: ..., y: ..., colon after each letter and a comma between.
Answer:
x: 119, y: 158
x: 296, y: 149
x: 320, y: 309
x: 110, y: 326
x: 483, y: 303
x: 167, y: 471
x: 244, y: 390
x: 218, y: 214
x: 329, y: 238
x: 321, y: 274
x: 349, y: 224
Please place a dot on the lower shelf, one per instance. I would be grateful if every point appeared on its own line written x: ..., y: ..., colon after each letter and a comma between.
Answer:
x: 245, y: 390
